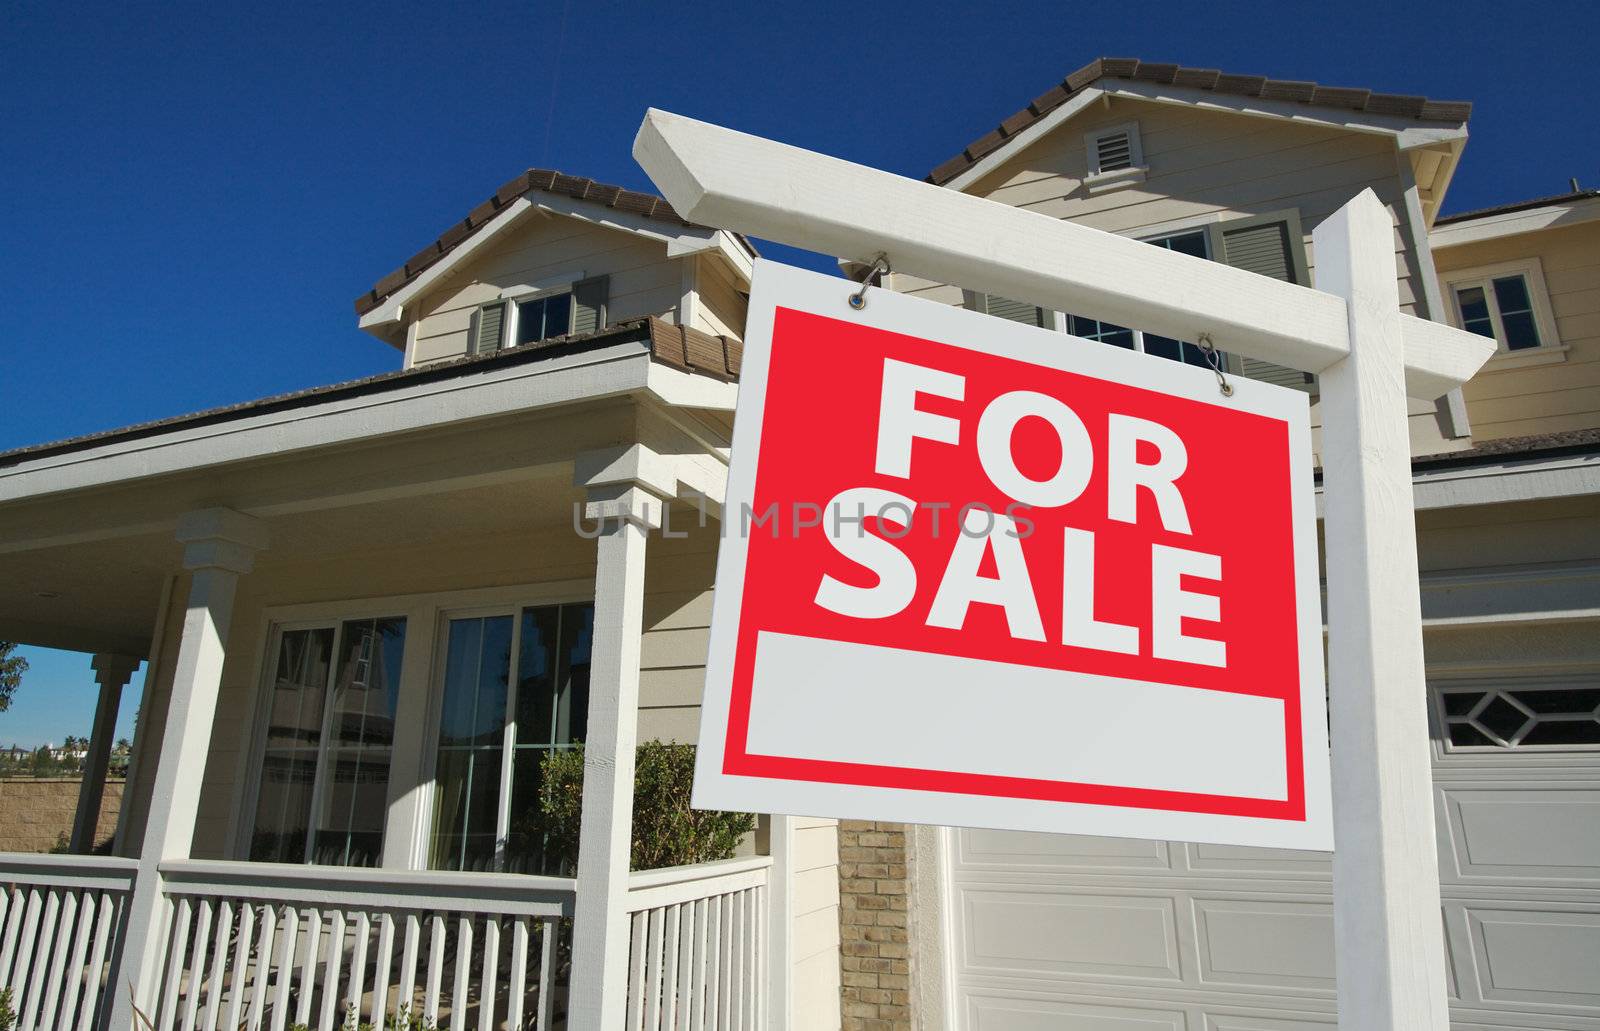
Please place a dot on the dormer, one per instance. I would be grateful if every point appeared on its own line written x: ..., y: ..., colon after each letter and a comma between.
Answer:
x: 551, y: 256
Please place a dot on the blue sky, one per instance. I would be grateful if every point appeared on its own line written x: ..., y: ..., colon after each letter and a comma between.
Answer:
x: 193, y: 196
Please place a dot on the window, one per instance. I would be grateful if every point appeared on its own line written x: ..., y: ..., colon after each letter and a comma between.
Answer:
x: 1535, y: 716
x: 544, y: 317
x: 329, y: 735
x: 1509, y: 303
x: 516, y: 687
x: 1192, y: 242
x: 527, y: 315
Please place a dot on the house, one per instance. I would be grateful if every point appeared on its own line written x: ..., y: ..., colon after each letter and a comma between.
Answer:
x: 368, y: 613
x: 370, y: 610
x: 1012, y: 930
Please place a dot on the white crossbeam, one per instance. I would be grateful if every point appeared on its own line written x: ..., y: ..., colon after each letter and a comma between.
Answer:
x: 732, y: 180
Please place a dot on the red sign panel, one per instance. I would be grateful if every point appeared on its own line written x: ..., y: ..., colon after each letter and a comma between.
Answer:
x: 977, y: 573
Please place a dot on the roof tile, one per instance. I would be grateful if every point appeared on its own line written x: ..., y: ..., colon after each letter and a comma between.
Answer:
x: 1017, y: 122
x: 1150, y: 71
x: 1341, y: 96
x: 1283, y: 89
x: 1242, y: 85
x: 1050, y: 99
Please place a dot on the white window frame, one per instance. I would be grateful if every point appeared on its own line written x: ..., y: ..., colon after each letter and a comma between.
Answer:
x: 1550, y: 348
x: 409, y: 819
x: 1099, y: 182
x: 429, y: 744
x: 516, y: 297
x: 247, y: 793
x: 513, y: 296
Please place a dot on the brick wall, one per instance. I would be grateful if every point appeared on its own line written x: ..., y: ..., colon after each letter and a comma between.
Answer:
x: 36, y: 811
x: 875, y: 963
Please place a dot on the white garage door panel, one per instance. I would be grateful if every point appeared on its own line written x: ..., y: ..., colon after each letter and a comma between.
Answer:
x: 996, y: 1014
x: 1237, y: 1022
x: 1535, y: 956
x: 1226, y: 859
x: 1127, y: 935
x: 1068, y: 935
x: 1514, y: 832
x: 1276, y: 944
x: 1029, y: 850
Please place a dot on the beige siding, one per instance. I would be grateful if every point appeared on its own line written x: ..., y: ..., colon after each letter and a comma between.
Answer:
x: 1507, y: 400
x: 677, y: 621
x: 644, y: 281
x: 723, y: 303
x: 814, y: 945
x: 1205, y: 167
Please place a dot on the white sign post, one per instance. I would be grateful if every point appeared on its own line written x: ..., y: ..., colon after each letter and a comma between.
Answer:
x: 1386, y: 898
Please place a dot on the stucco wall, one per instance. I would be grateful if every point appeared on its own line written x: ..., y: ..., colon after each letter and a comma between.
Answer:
x: 36, y: 812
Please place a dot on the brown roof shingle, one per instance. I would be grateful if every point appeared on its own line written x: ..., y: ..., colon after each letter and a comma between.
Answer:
x: 1134, y: 70
x: 534, y: 180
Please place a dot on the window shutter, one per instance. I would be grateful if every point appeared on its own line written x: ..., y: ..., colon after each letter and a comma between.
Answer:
x: 1004, y: 308
x: 589, y: 298
x: 1268, y: 246
x: 488, y: 329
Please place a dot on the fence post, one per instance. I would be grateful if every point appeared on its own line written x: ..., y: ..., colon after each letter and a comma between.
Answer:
x: 1388, y: 934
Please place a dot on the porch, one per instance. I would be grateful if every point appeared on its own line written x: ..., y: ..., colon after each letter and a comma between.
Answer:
x: 265, y: 945
x: 368, y: 619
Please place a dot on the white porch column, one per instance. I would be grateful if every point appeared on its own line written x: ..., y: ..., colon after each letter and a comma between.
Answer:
x: 219, y: 545
x: 112, y: 672
x: 627, y: 502
x: 1388, y: 933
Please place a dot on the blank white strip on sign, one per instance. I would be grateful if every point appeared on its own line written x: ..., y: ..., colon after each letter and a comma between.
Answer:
x: 857, y: 703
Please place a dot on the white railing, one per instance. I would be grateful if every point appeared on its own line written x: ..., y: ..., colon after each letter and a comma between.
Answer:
x: 699, y: 947
x: 59, y: 921
x: 254, y: 945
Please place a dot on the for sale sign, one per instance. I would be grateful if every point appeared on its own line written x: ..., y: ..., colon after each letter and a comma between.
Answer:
x: 976, y: 573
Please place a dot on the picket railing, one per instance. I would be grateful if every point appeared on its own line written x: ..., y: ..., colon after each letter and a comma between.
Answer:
x: 60, y: 917
x: 699, y: 947
x: 255, y: 945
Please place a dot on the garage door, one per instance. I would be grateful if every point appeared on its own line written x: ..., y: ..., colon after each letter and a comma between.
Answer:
x: 1109, y: 934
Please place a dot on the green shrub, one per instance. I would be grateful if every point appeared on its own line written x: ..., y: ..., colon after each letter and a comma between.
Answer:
x: 666, y: 831
x: 8, y: 1016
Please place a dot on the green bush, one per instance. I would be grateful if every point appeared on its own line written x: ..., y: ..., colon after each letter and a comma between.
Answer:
x: 666, y: 831
x: 8, y: 1017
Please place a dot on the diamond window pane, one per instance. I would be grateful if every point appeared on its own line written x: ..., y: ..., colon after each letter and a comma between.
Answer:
x: 1563, y: 732
x: 1465, y: 735
x: 1560, y: 701
x: 1460, y: 703
x: 1503, y: 718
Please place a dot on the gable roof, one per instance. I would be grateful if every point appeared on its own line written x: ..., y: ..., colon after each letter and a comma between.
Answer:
x: 1209, y: 79
x: 534, y: 180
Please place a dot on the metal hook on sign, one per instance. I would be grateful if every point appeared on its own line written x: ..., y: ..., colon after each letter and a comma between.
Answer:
x: 1214, y: 359
x: 875, y: 273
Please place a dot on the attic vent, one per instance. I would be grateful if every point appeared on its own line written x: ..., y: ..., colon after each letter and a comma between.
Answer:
x: 1113, y: 151
x: 1115, y: 157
